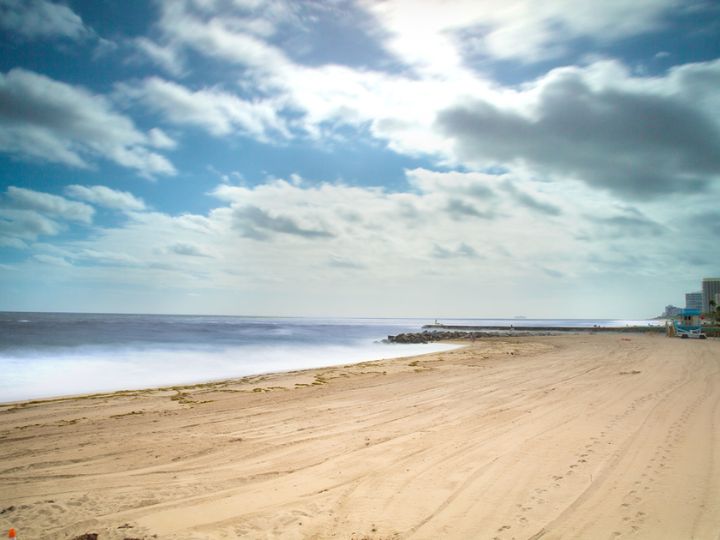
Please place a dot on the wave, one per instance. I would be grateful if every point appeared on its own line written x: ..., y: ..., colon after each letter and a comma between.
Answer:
x: 43, y: 374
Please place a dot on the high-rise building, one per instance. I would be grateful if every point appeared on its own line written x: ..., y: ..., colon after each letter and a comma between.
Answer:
x: 710, y: 287
x: 693, y: 300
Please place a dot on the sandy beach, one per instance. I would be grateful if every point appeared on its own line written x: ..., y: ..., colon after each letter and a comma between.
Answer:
x: 582, y: 436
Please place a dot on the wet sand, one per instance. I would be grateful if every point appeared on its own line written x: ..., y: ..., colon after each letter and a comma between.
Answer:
x: 586, y: 436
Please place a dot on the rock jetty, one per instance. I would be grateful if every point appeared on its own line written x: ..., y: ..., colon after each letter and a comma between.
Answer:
x: 431, y: 337
x: 466, y: 333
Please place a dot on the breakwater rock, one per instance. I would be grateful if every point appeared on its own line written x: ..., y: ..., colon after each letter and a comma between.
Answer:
x: 469, y: 333
x: 454, y: 335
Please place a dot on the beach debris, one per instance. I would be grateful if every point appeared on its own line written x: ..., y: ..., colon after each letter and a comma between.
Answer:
x: 87, y: 536
x: 12, y: 533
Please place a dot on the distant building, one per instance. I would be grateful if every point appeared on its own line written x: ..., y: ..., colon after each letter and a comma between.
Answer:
x: 693, y: 300
x: 710, y: 287
x: 672, y: 311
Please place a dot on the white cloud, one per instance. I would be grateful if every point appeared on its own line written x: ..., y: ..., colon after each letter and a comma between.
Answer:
x: 167, y: 57
x: 107, y: 197
x: 45, y: 119
x: 218, y: 112
x: 225, y: 33
x: 106, y: 258
x: 160, y: 139
x: 414, y: 249
x: 35, y: 19
x: 26, y: 214
x: 26, y: 224
x: 52, y: 260
x: 7, y: 241
x: 46, y: 203
x: 434, y: 37
x: 445, y: 111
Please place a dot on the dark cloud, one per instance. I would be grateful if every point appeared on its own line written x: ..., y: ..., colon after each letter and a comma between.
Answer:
x: 188, y: 250
x: 461, y: 251
x: 618, y: 261
x: 460, y: 210
x: 479, y: 191
x: 256, y: 223
x: 708, y: 221
x: 348, y: 264
x: 531, y: 202
x: 636, y: 144
x: 631, y: 223
x: 552, y: 273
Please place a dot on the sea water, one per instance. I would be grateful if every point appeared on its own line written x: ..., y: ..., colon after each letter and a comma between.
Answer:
x: 55, y: 354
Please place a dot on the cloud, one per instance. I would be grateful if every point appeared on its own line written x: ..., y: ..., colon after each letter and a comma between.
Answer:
x: 7, y: 241
x: 531, y: 202
x: 316, y: 100
x: 37, y: 19
x: 26, y: 214
x: 552, y: 272
x: 636, y: 138
x: 107, y: 197
x: 266, y: 238
x: 461, y: 251
x: 256, y: 223
x: 460, y: 210
x: 345, y: 263
x: 471, y: 184
x: 233, y: 33
x: 46, y: 203
x: 217, y: 112
x: 622, y: 146
x: 432, y: 38
x: 706, y: 220
x: 104, y: 257
x: 189, y: 250
x: 166, y: 57
x: 631, y: 222
x: 159, y: 139
x: 49, y: 120
x: 26, y: 224
x: 52, y: 260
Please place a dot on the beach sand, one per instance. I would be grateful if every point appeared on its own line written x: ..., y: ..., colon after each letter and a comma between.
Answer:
x: 583, y: 436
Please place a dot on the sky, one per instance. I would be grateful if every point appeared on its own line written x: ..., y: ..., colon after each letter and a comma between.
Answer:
x: 416, y: 158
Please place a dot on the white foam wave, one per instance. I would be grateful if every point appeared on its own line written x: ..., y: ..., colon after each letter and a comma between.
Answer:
x: 104, y: 370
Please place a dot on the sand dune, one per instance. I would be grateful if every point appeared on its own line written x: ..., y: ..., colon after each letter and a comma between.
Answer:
x: 595, y: 436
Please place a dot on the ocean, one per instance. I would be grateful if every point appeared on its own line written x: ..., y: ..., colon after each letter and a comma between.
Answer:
x: 55, y: 354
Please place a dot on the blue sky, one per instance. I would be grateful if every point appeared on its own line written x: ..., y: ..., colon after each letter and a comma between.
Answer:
x: 358, y: 158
